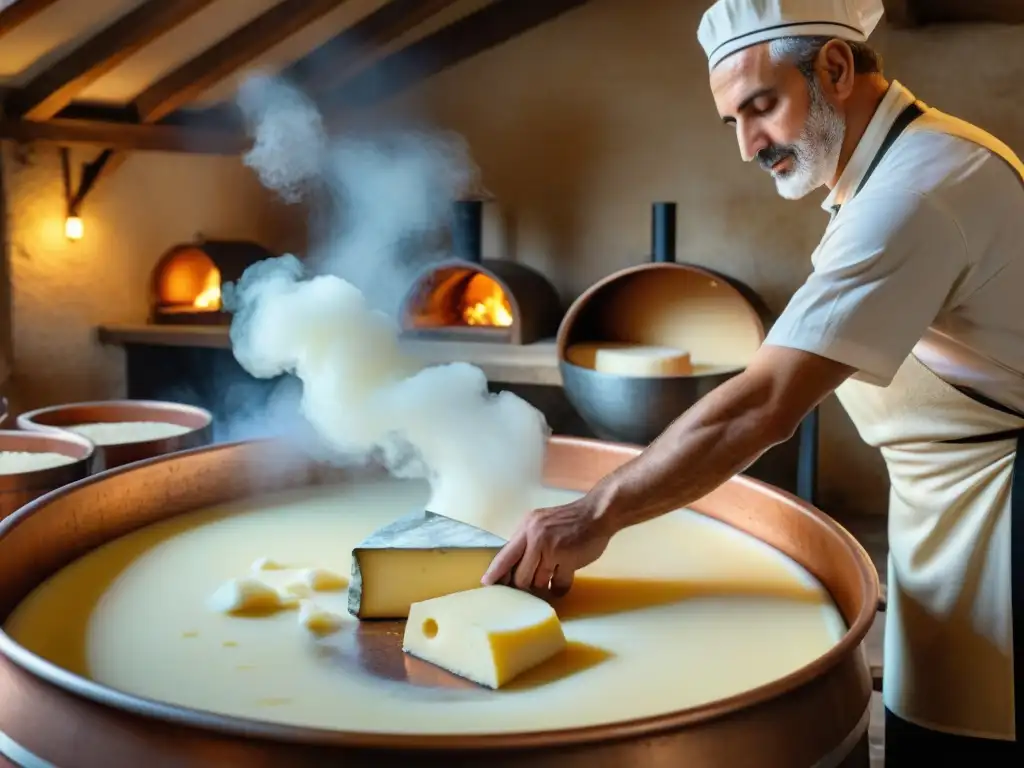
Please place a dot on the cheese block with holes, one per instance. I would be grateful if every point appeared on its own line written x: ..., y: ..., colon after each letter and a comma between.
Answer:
x: 624, y: 359
x: 417, y: 557
x: 489, y: 635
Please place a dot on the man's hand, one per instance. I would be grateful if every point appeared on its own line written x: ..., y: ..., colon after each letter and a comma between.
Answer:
x: 550, y: 545
x: 719, y: 436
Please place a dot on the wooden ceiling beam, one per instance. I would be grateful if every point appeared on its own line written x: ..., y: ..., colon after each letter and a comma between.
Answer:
x: 916, y: 13
x: 126, y: 137
x: 14, y: 14
x: 330, y: 64
x: 54, y: 89
x: 190, y: 80
x: 475, y: 33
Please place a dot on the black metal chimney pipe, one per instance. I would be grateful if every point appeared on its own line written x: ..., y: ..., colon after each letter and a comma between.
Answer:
x: 663, y: 233
x: 467, y: 230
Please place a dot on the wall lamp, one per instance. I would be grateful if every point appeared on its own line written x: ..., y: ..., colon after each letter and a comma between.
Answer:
x: 74, y: 228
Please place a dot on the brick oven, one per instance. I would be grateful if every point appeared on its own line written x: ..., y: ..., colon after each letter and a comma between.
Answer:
x: 186, y: 281
x: 470, y: 298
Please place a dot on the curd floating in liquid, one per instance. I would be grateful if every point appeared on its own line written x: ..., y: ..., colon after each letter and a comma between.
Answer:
x: 117, y: 432
x: 678, y: 612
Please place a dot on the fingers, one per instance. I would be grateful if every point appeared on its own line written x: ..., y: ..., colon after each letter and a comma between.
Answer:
x: 526, y: 570
x: 501, y: 567
x: 561, y: 581
x: 542, y: 577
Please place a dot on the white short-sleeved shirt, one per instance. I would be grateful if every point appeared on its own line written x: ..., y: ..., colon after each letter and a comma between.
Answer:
x: 927, y: 258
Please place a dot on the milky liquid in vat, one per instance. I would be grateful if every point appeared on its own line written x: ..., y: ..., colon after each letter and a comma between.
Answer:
x: 16, y: 462
x: 679, y: 611
x: 117, y: 432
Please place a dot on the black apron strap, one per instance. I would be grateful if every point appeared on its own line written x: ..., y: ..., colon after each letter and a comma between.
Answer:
x: 909, y: 114
x: 1017, y: 588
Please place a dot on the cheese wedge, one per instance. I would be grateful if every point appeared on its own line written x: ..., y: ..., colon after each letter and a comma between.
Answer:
x: 417, y: 557
x: 625, y: 359
x: 489, y: 635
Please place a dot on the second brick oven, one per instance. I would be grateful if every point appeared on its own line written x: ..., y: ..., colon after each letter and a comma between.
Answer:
x: 470, y: 298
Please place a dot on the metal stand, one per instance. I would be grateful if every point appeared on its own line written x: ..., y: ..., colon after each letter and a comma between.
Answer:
x: 807, y: 459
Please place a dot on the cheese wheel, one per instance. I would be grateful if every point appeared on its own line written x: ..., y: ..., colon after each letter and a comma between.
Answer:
x: 624, y: 359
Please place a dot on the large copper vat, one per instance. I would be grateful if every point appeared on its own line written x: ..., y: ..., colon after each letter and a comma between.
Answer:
x: 56, y: 418
x: 816, y: 716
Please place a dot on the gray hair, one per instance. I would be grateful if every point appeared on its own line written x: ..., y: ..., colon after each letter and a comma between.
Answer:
x: 803, y: 52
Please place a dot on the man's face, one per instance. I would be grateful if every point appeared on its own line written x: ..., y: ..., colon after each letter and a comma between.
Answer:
x: 781, y: 120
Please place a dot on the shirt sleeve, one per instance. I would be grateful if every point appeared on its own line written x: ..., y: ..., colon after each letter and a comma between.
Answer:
x: 885, y: 269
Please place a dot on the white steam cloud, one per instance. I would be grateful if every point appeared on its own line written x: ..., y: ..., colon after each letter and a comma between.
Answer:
x: 482, y: 453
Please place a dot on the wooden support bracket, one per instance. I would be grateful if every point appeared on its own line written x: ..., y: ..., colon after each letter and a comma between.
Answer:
x: 91, y: 173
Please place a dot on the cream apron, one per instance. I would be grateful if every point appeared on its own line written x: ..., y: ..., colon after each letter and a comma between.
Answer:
x: 955, y: 608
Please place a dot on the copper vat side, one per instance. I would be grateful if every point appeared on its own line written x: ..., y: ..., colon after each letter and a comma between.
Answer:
x: 800, y: 720
x: 56, y: 418
x: 19, y: 489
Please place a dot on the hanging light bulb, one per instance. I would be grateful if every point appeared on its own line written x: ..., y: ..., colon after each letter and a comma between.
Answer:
x: 73, y: 228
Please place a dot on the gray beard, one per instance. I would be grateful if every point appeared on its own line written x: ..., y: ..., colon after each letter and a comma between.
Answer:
x: 816, y: 153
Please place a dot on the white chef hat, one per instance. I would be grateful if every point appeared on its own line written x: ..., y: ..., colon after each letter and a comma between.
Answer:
x: 731, y: 25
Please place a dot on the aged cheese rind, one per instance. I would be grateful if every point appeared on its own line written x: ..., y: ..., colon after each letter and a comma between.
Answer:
x: 627, y: 359
x: 417, y: 557
x: 489, y: 635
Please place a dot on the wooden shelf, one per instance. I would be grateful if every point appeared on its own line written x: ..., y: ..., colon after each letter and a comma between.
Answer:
x: 507, y: 363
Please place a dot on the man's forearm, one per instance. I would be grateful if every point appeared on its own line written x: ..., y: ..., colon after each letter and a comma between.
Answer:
x: 718, y: 437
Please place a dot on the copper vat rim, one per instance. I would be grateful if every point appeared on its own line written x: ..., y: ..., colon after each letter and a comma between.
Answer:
x: 27, y: 421
x: 49, y: 441
x: 566, y: 737
x: 569, y: 319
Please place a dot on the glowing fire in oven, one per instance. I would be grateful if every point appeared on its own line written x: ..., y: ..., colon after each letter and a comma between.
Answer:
x: 484, y: 303
x: 209, y: 297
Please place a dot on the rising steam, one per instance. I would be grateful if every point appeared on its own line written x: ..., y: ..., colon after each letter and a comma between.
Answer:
x: 481, y: 452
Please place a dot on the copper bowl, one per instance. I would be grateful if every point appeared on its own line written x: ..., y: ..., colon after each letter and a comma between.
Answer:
x: 815, y: 716
x: 19, y: 489
x: 719, y: 320
x: 59, y: 417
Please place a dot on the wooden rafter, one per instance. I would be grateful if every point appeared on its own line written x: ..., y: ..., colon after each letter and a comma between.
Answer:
x: 191, y: 79
x: 331, y: 63
x: 212, y: 131
x: 55, y: 88
x: 14, y: 14
x: 126, y: 136
x: 492, y: 25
